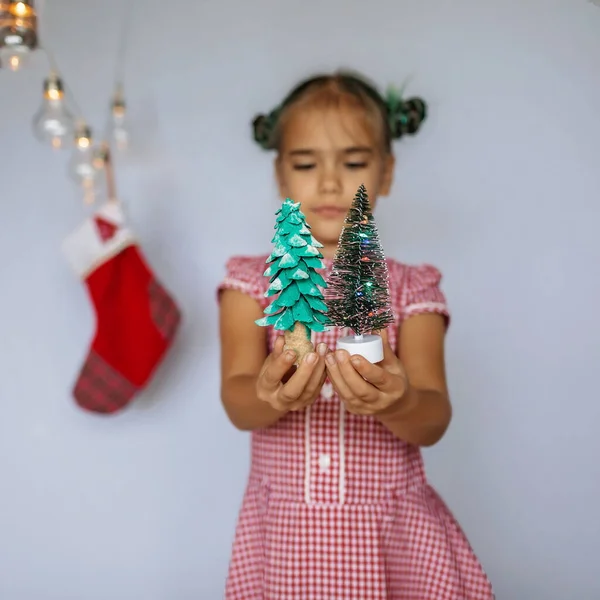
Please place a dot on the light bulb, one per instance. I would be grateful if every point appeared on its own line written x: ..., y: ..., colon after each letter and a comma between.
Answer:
x: 13, y: 58
x: 84, y: 167
x: 53, y: 124
x: 21, y: 9
x: 120, y: 130
x: 18, y: 33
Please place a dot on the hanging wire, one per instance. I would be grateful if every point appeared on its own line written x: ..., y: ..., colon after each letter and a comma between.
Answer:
x: 119, y: 77
x: 52, y: 59
x: 122, y: 45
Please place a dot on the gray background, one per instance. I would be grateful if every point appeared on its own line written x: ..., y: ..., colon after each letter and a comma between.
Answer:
x: 500, y: 191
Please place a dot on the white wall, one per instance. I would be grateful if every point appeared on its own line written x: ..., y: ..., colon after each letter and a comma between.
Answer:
x: 501, y: 191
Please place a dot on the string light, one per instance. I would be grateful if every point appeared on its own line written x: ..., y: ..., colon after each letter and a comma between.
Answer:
x: 18, y: 32
x: 104, y: 162
x: 22, y: 9
x: 119, y: 125
x: 84, y: 167
x: 54, y: 124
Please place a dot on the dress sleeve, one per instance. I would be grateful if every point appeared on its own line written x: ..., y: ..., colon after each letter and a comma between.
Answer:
x: 423, y: 293
x: 245, y: 274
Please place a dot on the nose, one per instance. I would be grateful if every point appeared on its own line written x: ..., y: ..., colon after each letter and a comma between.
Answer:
x: 331, y: 181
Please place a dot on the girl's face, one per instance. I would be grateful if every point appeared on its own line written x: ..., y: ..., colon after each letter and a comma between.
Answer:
x: 325, y: 155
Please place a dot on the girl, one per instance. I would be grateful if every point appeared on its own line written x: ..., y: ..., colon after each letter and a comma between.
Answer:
x: 337, y: 506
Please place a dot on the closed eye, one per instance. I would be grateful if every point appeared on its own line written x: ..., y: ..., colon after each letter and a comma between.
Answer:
x: 355, y: 165
x: 304, y: 167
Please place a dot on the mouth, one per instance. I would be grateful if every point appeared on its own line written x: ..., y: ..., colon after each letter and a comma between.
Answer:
x: 330, y: 212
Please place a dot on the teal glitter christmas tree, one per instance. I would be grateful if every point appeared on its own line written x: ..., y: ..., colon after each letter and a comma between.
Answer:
x: 298, y: 307
x: 358, y: 295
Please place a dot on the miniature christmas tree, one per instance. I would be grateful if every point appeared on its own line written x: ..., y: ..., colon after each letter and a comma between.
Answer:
x: 357, y: 295
x: 298, y: 308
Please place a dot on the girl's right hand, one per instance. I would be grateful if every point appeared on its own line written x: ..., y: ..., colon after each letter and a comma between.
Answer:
x: 301, y: 389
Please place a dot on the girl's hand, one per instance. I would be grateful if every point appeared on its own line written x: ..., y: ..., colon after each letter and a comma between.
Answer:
x: 367, y: 388
x: 287, y: 391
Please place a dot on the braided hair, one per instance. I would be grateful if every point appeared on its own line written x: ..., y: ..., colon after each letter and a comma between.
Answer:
x: 399, y: 117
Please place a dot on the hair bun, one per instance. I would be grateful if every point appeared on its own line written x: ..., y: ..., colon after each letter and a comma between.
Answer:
x: 263, y: 130
x: 407, y: 117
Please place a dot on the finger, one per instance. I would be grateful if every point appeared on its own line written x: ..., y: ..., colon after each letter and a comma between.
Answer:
x: 359, y: 408
x: 319, y: 373
x: 313, y: 384
x: 277, y: 369
x: 278, y: 347
x: 336, y: 377
x: 323, y: 350
x: 295, y: 387
x: 314, y: 393
x: 374, y: 374
x: 385, y: 336
x: 386, y: 379
x: 361, y: 389
x: 389, y: 356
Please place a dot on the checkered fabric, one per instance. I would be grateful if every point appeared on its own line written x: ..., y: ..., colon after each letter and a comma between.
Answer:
x: 163, y: 310
x: 100, y: 387
x: 336, y: 507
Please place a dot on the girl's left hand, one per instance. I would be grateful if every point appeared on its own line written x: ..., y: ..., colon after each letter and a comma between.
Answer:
x: 367, y: 388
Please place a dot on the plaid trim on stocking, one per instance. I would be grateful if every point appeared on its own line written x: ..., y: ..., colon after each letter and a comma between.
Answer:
x: 165, y: 313
x: 101, y: 388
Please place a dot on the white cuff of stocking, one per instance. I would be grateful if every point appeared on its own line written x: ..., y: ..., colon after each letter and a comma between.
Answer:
x: 369, y: 347
x: 85, y: 249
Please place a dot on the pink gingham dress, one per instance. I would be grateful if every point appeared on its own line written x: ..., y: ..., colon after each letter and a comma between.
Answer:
x: 336, y: 507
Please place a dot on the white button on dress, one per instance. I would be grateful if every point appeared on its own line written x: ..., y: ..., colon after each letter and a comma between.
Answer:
x: 327, y: 390
x: 324, y: 462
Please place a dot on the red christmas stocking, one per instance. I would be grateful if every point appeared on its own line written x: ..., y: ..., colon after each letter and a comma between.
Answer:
x: 136, y: 319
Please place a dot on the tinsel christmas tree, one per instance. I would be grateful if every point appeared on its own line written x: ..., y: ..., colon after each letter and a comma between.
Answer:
x: 298, y: 308
x: 357, y: 295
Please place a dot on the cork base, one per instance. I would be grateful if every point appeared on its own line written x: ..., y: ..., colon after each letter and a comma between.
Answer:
x: 298, y: 340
